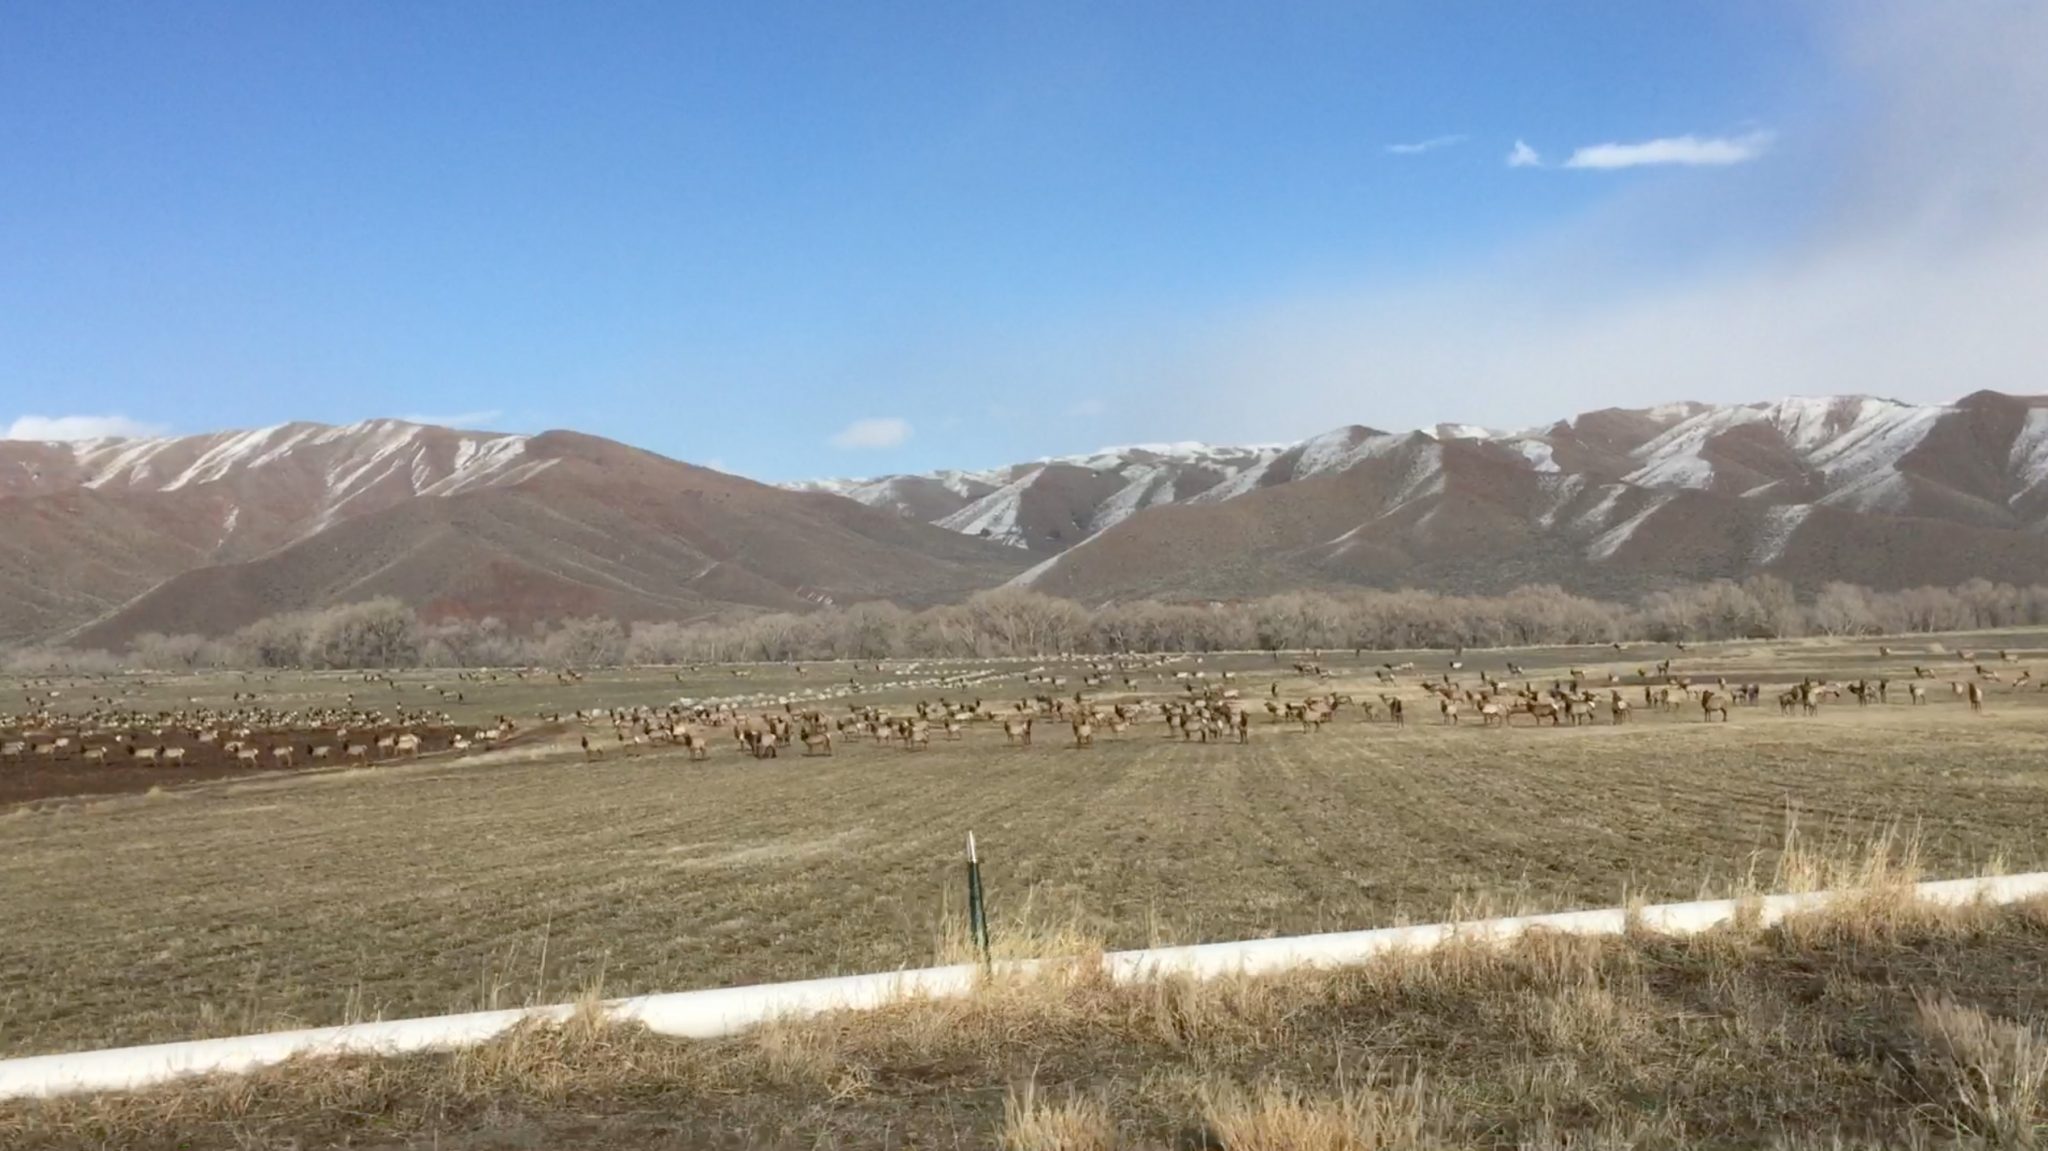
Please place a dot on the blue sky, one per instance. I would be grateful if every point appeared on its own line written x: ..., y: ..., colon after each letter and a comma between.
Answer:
x: 845, y: 239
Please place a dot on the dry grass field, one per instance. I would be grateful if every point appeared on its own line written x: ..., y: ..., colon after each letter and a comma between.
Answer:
x: 1881, y: 1025
x: 529, y: 874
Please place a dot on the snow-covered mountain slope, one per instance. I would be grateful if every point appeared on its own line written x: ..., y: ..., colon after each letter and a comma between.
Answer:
x: 101, y: 539
x: 1594, y: 498
x: 1052, y: 503
x: 333, y: 466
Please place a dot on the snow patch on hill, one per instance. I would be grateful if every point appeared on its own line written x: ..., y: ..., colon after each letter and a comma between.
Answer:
x: 2029, y: 457
x: 1779, y: 525
x: 1608, y: 542
x: 1539, y: 454
x: 994, y: 516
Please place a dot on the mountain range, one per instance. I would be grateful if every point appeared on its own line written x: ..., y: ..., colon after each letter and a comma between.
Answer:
x: 1608, y: 502
x: 103, y: 539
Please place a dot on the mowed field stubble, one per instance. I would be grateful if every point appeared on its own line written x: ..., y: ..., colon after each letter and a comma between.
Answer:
x: 532, y: 873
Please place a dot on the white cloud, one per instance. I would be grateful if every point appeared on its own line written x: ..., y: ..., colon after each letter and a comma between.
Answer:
x: 77, y: 428
x: 1523, y: 156
x: 1713, y: 151
x: 1429, y: 145
x: 872, y: 432
x: 457, y: 420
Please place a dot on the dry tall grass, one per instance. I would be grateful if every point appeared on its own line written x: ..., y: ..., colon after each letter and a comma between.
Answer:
x: 1904, y: 1033
x: 1992, y: 1073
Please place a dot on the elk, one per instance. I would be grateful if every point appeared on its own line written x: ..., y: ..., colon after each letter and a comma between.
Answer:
x: 1084, y: 732
x: 1711, y: 702
x: 1017, y: 730
x: 1976, y: 697
x: 817, y: 741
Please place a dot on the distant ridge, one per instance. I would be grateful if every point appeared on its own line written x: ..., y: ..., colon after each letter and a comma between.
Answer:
x: 103, y: 539
x: 1614, y: 501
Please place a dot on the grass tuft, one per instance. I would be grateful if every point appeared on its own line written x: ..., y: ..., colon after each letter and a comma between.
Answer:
x: 1275, y: 1118
x: 1991, y: 1073
x: 1075, y: 1123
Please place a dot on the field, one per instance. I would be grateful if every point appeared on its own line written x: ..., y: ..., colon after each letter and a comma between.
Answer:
x: 527, y: 873
x: 1879, y: 1025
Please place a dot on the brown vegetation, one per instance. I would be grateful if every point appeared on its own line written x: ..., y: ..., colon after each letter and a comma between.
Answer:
x: 384, y: 633
x: 1883, y: 1025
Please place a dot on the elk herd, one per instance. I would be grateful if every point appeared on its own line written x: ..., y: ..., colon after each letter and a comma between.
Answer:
x: 1196, y: 705
x: 1096, y: 697
x: 246, y: 735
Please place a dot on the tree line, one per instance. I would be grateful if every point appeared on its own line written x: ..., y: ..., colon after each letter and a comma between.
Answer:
x: 384, y: 633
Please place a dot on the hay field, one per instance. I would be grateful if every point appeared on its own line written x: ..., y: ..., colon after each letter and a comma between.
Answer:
x: 532, y: 875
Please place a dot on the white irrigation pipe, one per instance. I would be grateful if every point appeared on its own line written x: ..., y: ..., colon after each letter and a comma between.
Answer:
x: 725, y: 1011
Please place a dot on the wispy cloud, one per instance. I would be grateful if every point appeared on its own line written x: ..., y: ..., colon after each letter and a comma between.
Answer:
x: 78, y: 428
x: 872, y: 433
x: 1429, y: 145
x: 1523, y: 156
x: 457, y: 420
x: 1710, y: 151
